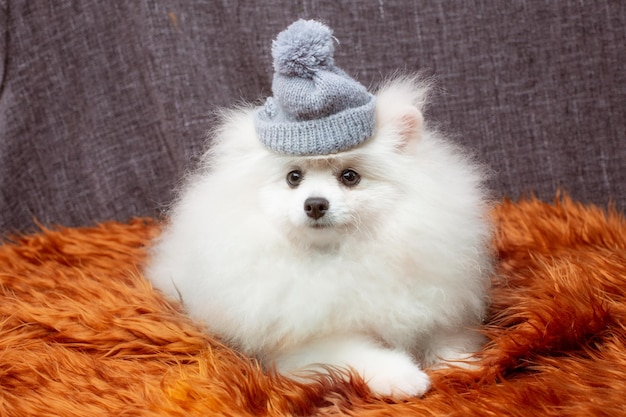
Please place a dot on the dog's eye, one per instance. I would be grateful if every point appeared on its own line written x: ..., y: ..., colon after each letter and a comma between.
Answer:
x: 294, y: 178
x: 349, y: 178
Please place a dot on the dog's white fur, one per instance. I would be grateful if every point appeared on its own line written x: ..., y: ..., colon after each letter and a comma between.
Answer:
x: 396, y: 280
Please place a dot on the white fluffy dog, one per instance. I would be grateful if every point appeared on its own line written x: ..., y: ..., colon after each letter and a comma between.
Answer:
x: 374, y: 259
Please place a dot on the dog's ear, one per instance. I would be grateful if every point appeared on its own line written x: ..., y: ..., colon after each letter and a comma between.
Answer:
x: 408, y: 124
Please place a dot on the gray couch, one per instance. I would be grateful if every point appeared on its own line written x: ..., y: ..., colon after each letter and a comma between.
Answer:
x: 103, y: 105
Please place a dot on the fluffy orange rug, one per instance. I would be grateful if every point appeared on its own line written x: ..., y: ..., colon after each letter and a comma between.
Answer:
x: 83, y: 334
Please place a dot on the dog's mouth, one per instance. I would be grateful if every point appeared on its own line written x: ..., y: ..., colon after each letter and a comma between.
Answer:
x: 318, y: 225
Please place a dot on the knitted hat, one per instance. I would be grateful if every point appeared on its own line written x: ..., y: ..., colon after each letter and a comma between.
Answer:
x: 317, y: 109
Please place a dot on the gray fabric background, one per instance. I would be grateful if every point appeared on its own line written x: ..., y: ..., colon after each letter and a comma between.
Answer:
x: 103, y: 105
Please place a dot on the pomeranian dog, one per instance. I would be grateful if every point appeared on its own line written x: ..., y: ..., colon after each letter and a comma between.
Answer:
x: 373, y: 259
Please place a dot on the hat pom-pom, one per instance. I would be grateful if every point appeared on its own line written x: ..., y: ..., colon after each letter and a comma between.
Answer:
x: 303, y: 48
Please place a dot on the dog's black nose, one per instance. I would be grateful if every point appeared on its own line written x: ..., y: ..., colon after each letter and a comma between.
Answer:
x: 315, y: 207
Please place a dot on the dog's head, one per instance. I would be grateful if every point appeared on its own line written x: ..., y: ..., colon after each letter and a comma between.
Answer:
x: 319, y: 199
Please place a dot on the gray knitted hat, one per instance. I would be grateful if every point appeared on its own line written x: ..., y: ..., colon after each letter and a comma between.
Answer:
x: 317, y: 109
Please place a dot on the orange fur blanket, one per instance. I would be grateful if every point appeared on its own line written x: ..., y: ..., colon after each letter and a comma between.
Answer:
x: 83, y: 334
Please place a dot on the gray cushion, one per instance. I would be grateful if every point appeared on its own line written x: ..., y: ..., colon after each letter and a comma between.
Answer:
x: 103, y: 105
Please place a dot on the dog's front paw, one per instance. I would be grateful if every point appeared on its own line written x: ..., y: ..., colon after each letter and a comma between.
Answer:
x: 398, y: 378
